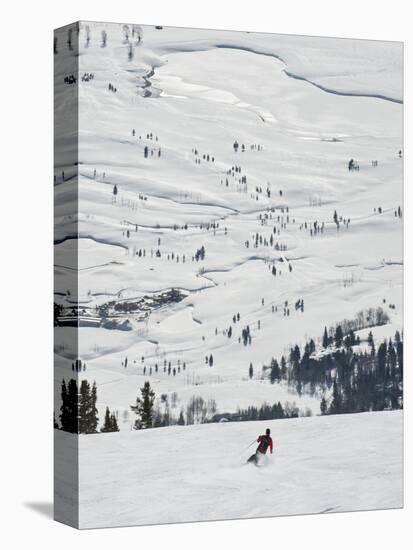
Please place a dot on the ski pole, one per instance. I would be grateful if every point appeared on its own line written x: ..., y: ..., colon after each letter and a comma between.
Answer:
x: 252, y: 443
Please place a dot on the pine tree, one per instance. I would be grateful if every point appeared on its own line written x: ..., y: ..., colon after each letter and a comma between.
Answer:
x: 111, y: 423
x: 275, y: 373
x: 107, y: 423
x: 211, y: 360
x: 181, y: 419
x: 336, y: 403
x: 323, y: 406
x: 144, y: 408
x: 114, y: 423
x: 84, y: 403
x: 69, y: 407
x: 251, y: 371
x: 325, y: 338
x: 88, y: 419
x: 64, y: 417
x: 283, y: 367
x: 370, y: 339
x: 338, y: 336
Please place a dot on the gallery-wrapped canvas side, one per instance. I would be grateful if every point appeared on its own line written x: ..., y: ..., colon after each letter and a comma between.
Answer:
x: 66, y: 109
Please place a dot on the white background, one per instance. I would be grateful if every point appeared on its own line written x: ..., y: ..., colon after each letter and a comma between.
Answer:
x: 26, y: 202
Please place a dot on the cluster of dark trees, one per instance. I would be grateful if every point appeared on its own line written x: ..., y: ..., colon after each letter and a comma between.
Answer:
x: 110, y: 423
x: 146, y: 151
x: 270, y: 412
x: 369, y: 381
x: 253, y: 147
x: 71, y: 79
x: 78, y: 411
x: 314, y: 227
x: 78, y: 366
x: 258, y: 240
x: 353, y: 165
x: 246, y: 335
x: 205, y: 156
x: 339, y: 219
x: 86, y: 77
x: 236, y: 317
x: 357, y: 381
x: 200, y: 254
x: 209, y: 360
x: 169, y: 369
x: 233, y: 172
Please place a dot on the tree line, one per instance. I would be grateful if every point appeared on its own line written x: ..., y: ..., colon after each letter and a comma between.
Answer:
x: 78, y: 411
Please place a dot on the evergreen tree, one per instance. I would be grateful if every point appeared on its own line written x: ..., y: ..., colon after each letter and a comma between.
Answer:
x: 110, y: 423
x: 181, y: 419
x: 88, y: 419
x: 275, y: 373
x: 84, y: 404
x: 64, y: 417
x: 336, y: 403
x: 114, y: 423
x: 107, y: 423
x: 325, y: 338
x: 370, y: 339
x: 283, y: 367
x: 144, y: 408
x: 338, y: 336
x: 323, y: 406
x: 93, y: 419
x: 69, y: 407
x: 251, y: 371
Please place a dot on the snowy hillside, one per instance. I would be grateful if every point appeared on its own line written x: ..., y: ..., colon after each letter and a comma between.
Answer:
x: 323, y: 464
x: 176, y: 92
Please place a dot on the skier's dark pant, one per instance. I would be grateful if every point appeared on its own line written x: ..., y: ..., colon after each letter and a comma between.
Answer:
x: 254, y: 458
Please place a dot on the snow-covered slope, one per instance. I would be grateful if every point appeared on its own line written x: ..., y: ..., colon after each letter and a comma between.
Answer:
x: 196, y: 473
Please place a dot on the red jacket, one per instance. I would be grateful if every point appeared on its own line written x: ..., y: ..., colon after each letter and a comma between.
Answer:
x: 264, y: 441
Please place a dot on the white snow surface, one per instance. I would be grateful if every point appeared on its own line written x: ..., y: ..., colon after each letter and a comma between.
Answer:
x: 198, y: 473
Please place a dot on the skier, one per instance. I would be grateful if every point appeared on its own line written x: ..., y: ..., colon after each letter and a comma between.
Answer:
x: 264, y: 442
